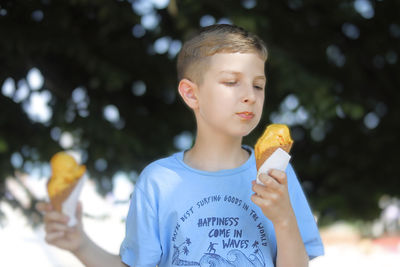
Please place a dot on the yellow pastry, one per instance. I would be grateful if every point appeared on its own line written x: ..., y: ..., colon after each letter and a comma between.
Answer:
x: 275, y: 136
x: 66, y: 173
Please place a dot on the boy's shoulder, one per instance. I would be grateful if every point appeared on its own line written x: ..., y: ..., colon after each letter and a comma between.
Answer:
x: 161, y: 166
x: 170, y: 161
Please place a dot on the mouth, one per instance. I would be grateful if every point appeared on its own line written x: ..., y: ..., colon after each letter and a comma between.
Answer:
x: 246, y: 115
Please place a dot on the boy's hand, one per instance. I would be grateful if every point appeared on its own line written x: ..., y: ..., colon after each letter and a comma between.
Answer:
x: 273, y: 197
x: 58, y: 233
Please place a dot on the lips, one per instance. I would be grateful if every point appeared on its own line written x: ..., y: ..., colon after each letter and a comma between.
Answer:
x: 246, y: 115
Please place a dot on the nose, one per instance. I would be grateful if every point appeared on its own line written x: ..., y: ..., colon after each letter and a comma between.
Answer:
x: 249, y: 95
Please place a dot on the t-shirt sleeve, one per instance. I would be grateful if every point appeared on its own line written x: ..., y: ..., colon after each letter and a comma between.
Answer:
x: 141, y: 246
x: 305, y: 219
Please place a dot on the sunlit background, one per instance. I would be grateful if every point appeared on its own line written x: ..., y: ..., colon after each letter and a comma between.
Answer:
x: 373, y: 242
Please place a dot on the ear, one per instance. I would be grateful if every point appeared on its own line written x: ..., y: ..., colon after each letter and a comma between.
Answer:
x: 187, y: 89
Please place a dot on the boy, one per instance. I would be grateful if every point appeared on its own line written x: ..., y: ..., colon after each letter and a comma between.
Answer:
x: 200, y: 207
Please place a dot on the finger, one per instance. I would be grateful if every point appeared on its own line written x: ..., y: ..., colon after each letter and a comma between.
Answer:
x: 52, y: 237
x: 267, y: 194
x: 278, y: 175
x: 259, y: 189
x: 269, y: 182
x: 264, y: 192
x: 55, y: 217
x: 57, y: 227
x: 43, y: 207
x: 259, y: 201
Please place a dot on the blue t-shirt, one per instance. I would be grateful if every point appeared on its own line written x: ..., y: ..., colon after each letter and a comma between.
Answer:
x: 180, y: 216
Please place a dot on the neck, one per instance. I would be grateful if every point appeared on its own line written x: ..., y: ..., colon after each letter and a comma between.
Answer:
x: 214, y: 153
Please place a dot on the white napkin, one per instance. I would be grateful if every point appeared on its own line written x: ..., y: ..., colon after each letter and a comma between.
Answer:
x: 278, y: 160
x: 69, y: 205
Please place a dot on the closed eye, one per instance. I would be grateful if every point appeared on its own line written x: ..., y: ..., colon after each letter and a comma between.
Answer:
x: 230, y: 83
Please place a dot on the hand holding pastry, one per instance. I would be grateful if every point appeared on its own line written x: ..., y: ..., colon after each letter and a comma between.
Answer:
x: 271, y: 189
x: 58, y: 233
x: 272, y: 196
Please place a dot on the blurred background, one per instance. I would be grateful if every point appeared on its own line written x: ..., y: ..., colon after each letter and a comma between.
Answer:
x: 97, y: 79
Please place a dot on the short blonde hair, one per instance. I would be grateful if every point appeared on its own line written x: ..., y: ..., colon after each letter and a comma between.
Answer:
x: 219, y: 38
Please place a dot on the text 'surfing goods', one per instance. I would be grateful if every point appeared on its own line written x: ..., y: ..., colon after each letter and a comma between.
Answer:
x: 66, y: 173
x: 275, y: 136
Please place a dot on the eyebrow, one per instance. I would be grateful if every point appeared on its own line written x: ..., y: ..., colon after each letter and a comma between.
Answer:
x: 239, y: 73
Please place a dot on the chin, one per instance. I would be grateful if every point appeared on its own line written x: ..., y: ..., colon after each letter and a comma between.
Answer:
x: 249, y: 130
x: 244, y: 132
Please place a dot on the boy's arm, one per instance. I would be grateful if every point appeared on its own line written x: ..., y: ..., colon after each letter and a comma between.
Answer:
x: 273, y: 199
x: 91, y: 254
x: 290, y: 247
x: 74, y: 239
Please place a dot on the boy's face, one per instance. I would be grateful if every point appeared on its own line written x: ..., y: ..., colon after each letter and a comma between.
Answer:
x: 231, y: 95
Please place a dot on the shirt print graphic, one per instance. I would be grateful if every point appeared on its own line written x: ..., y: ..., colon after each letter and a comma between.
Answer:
x: 220, y: 230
